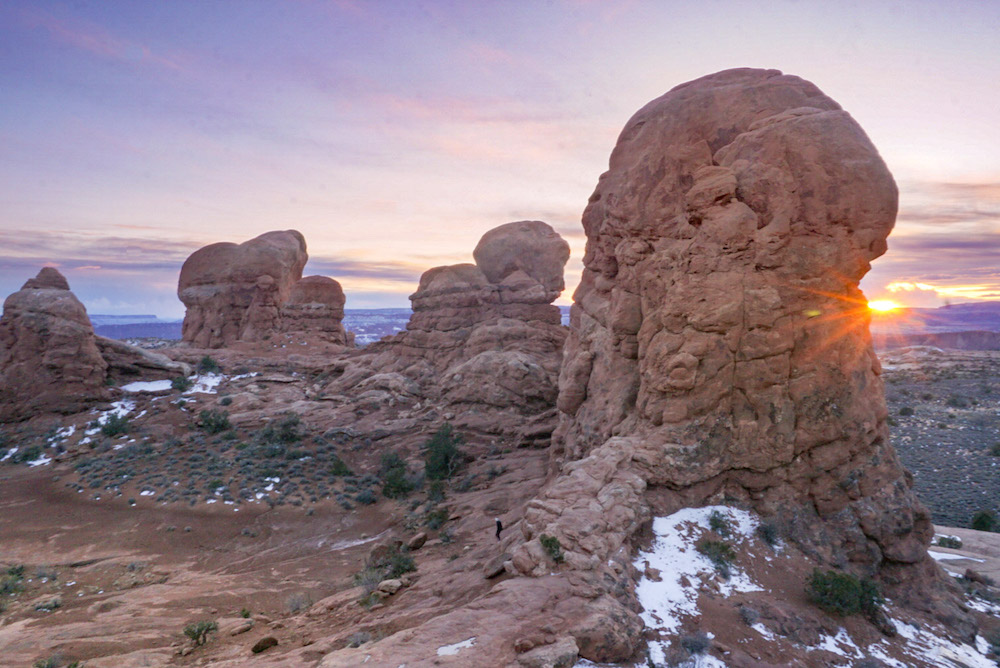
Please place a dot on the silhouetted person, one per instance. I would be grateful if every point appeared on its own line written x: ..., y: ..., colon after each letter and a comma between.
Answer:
x: 499, y: 527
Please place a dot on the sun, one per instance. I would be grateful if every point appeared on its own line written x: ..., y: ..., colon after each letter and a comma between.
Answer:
x: 883, y: 305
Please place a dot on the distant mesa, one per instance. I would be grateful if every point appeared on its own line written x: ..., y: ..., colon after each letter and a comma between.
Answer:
x: 251, y: 291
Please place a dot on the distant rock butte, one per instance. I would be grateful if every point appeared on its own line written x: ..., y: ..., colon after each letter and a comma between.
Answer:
x: 250, y: 291
x: 49, y: 359
x: 719, y: 347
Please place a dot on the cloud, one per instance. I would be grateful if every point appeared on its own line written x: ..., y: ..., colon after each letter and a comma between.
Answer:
x: 391, y: 272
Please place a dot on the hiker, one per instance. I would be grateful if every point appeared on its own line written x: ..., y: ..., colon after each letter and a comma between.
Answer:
x: 499, y: 527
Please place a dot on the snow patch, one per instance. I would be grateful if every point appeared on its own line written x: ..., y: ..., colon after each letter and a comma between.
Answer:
x: 41, y: 461
x: 451, y: 650
x: 148, y: 386
x: 945, y: 556
x: 205, y: 384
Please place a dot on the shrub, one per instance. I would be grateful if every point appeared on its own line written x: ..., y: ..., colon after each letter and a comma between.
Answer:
x: 214, y: 421
x: 696, y: 643
x: 208, y: 365
x: 952, y: 542
x: 720, y: 553
x: 435, y: 491
x: 843, y: 594
x: 436, y: 519
x: 181, y: 383
x: 338, y: 467
x: 365, y: 496
x: 395, y: 484
x: 392, y: 563
x: 955, y: 401
x: 298, y: 602
x: 768, y: 532
x: 442, y: 456
x: 286, y: 429
x: 49, y: 606
x: 51, y: 662
x: 198, y: 631
x: 358, y: 638
x: 115, y: 425
x: 718, y: 523
x: 552, y: 548
x: 225, y: 401
x: 749, y: 615
x: 905, y: 411
x: 984, y: 520
x: 26, y: 455
x: 995, y: 450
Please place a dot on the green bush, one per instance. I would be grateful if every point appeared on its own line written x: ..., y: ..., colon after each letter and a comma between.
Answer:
x: 338, y: 467
x: 995, y: 450
x: 442, y: 457
x: 26, y: 455
x: 115, y: 425
x: 768, y: 532
x: 905, y: 411
x: 387, y: 565
x: 843, y: 594
x: 984, y: 520
x: 245, y: 613
x: 720, y: 553
x: 951, y: 542
x: 552, y: 548
x: 214, y: 421
x: 436, y: 519
x: 718, y: 523
x: 286, y: 429
x: 181, y: 383
x: 395, y: 484
x: 366, y: 497
x: 198, y: 631
x: 208, y: 365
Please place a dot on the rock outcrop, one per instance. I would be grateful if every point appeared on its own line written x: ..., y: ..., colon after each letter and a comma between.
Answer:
x: 49, y: 359
x: 487, y: 335
x: 719, y: 347
x: 251, y: 291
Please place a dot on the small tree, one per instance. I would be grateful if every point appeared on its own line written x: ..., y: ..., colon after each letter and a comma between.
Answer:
x: 442, y: 456
x: 198, y: 631
x: 984, y: 520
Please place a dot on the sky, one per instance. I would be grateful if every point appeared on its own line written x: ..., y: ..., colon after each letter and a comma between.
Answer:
x: 394, y: 134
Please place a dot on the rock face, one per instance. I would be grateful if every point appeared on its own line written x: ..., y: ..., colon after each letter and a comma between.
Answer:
x: 719, y: 346
x: 250, y: 291
x: 49, y: 359
x: 487, y: 334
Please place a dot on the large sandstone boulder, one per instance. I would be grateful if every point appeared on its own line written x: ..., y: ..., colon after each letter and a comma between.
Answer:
x: 251, y: 291
x: 719, y: 347
x: 486, y: 335
x: 234, y: 291
x: 49, y: 358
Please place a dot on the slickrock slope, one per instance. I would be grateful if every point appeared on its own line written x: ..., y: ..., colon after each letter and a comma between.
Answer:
x: 251, y: 291
x: 49, y: 359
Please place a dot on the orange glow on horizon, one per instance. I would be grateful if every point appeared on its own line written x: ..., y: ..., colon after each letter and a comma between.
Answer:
x: 883, y: 305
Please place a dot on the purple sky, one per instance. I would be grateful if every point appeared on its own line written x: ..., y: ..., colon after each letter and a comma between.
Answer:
x: 394, y: 134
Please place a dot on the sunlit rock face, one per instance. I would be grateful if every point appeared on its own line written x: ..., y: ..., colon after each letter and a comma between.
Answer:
x: 49, y: 358
x: 250, y: 291
x: 719, y: 324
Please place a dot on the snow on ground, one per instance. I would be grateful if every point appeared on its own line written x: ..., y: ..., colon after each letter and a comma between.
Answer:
x: 41, y: 461
x: 674, y: 553
x: 148, y: 386
x: 10, y: 453
x: 939, y: 651
x: 205, y: 383
x: 451, y: 650
x: 945, y: 556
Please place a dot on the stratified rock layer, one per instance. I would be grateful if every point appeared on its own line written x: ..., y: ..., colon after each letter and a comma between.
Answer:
x: 49, y: 359
x: 253, y: 290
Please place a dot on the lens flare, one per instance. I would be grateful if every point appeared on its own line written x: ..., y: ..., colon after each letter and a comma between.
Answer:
x: 883, y: 305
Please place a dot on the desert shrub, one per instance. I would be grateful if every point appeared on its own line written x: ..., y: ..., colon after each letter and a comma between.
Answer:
x: 984, y: 520
x: 995, y: 450
x: 720, y: 553
x: 214, y: 421
x: 749, y: 615
x: 552, y: 548
x: 952, y: 542
x: 10, y: 582
x: 441, y: 454
x: 115, y: 425
x: 768, y: 532
x: 358, y: 638
x: 298, y: 602
x: 366, y: 497
x: 50, y: 605
x: 718, y: 523
x: 198, y: 631
x: 51, y: 662
x: 208, y: 365
x: 338, y: 467
x: 436, y: 519
x: 955, y: 401
x: 286, y: 429
x: 843, y: 594
x: 26, y: 455
x: 905, y: 411
x: 245, y: 613
x: 696, y: 643
x: 181, y: 383
x: 395, y: 484
x: 388, y: 565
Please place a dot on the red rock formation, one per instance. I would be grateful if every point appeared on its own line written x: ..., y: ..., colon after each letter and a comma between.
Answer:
x: 49, y: 359
x: 250, y: 291
x: 316, y: 306
x: 719, y: 347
